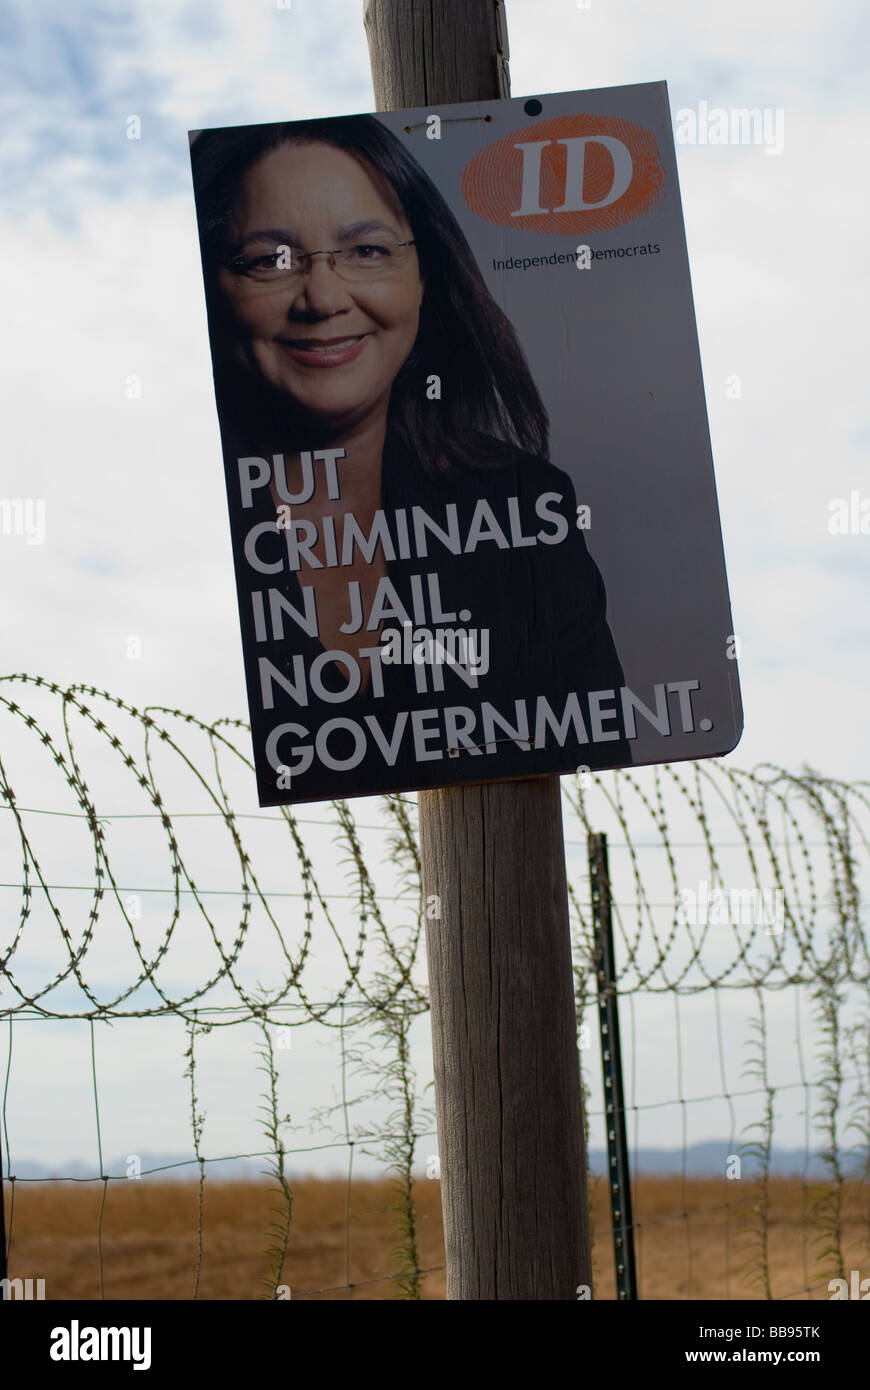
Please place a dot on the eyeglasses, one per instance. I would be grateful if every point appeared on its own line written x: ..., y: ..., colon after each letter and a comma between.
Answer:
x: 375, y: 260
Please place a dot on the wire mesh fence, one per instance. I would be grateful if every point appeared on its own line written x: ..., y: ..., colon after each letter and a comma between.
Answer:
x: 174, y: 952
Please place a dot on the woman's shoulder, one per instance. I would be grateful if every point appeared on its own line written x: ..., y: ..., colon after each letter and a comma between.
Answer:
x: 512, y: 467
x: 491, y: 469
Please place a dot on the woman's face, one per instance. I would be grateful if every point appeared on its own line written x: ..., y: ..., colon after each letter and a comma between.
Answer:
x: 335, y: 346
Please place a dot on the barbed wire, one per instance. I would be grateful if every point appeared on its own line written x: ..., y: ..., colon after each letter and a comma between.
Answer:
x: 801, y: 841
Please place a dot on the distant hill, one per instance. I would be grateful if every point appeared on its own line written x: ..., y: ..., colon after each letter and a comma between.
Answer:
x: 708, y: 1160
x: 703, y: 1160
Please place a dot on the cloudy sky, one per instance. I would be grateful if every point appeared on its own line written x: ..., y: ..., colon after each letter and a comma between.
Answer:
x: 101, y: 283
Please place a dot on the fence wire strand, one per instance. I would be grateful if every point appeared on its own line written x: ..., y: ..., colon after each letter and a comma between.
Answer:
x: 803, y: 843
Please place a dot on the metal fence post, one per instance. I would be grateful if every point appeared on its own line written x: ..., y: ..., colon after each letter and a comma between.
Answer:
x: 618, y: 1178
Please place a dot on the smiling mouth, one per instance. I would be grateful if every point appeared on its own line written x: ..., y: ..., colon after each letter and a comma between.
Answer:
x: 325, y: 352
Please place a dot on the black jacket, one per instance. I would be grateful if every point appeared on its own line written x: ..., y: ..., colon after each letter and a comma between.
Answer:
x: 543, y: 604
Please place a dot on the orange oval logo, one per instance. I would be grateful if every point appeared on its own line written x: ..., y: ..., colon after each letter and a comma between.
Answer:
x: 566, y: 175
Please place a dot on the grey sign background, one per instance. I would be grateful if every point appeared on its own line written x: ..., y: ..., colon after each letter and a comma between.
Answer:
x: 614, y: 353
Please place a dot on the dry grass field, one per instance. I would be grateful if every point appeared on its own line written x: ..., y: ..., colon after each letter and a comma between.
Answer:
x: 689, y: 1244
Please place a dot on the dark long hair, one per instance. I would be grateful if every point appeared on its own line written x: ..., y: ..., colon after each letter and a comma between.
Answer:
x: 488, y: 397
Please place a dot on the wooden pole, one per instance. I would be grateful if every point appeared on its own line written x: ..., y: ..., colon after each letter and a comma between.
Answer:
x: 507, y: 1078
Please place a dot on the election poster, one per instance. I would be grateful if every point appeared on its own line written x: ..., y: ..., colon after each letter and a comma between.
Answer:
x: 471, y: 494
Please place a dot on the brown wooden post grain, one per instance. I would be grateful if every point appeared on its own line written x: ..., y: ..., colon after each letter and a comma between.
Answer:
x: 507, y: 1080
